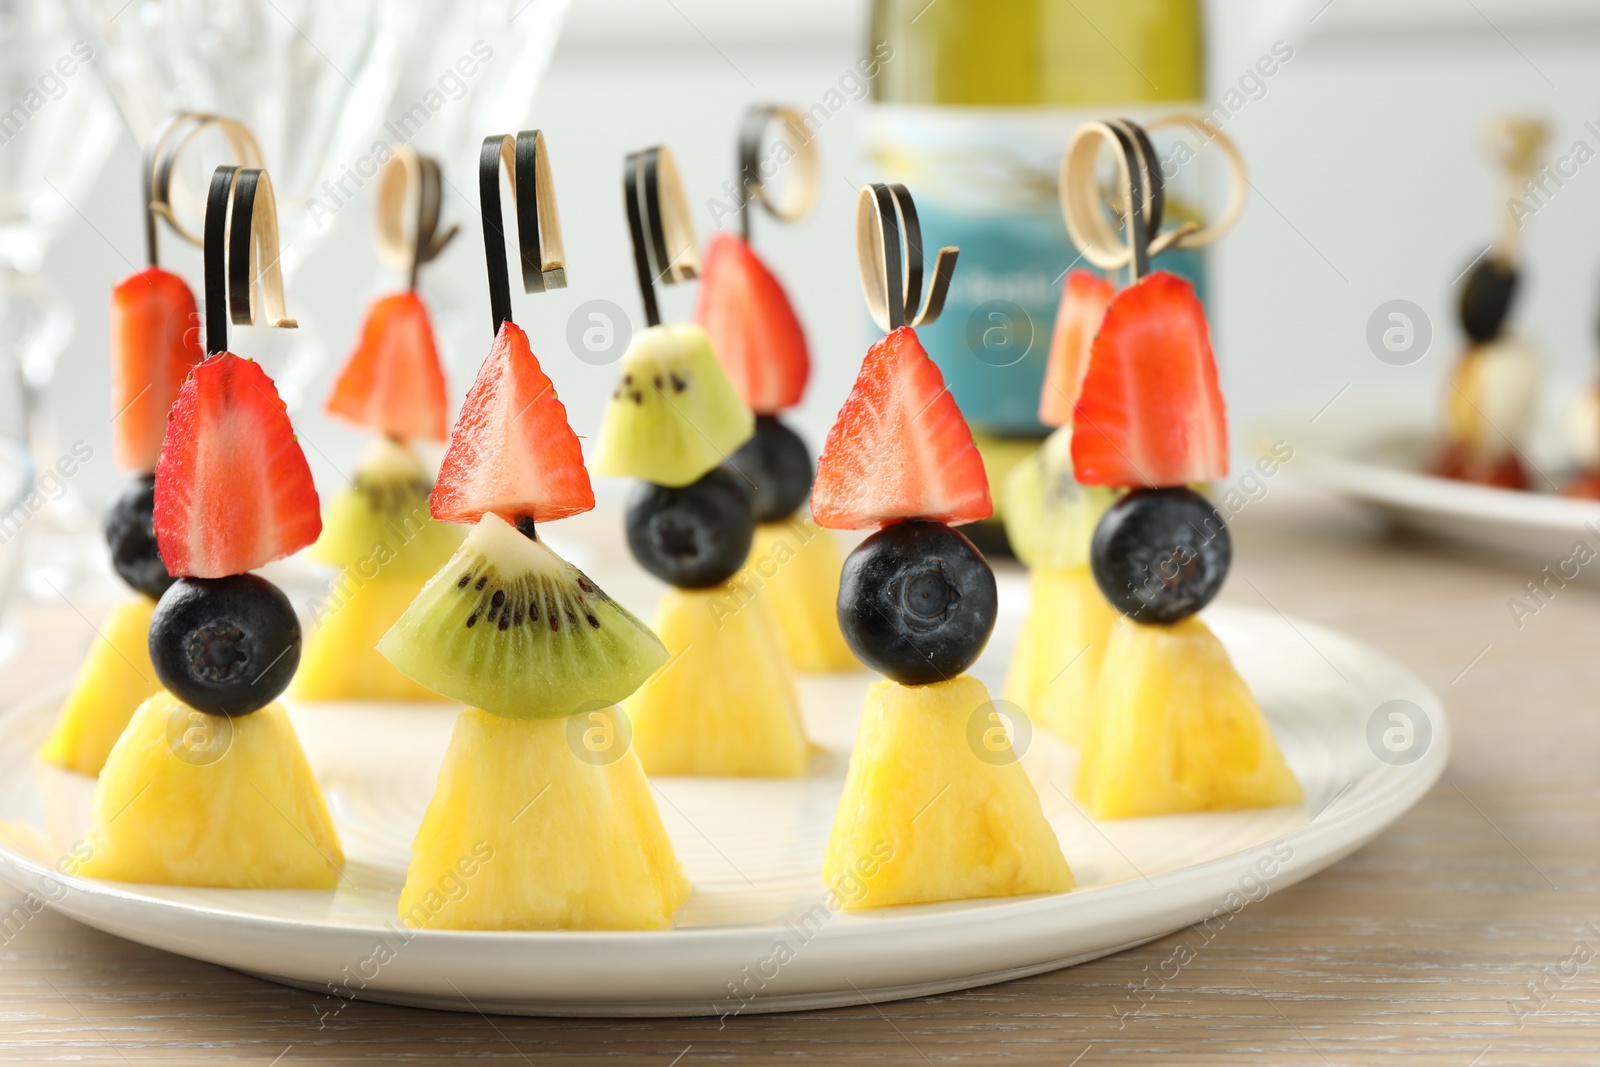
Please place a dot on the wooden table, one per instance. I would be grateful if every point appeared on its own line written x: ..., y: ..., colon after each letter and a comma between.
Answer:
x: 1469, y: 934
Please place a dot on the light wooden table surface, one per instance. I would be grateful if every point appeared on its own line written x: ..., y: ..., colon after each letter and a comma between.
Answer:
x: 1469, y: 934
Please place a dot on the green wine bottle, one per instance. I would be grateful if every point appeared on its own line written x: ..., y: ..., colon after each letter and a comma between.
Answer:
x: 973, y: 104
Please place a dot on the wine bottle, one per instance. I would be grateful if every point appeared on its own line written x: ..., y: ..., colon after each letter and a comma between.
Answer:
x: 973, y: 104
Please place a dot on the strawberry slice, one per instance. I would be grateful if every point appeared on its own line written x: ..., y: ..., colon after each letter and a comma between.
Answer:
x: 511, y: 451
x: 155, y: 343
x: 753, y: 329
x: 1151, y: 413
x: 899, y: 448
x: 392, y: 382
x: 1083, y: 304
x: 233, y: 491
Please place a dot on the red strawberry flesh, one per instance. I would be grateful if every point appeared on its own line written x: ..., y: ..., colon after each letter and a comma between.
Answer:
x: 752, y: 327
x: 1151, y: 413
x: 233, y: 490
x: 392, y: 382
x: 1084, y: 298
x: 900, y: 448
x: 512, y: 451
x: 155, y: 343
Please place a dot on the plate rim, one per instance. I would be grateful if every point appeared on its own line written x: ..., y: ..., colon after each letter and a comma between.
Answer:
x: 112, y: 907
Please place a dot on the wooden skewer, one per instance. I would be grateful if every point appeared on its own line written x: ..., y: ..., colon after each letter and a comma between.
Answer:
x: 1140, y: 181
x: 1517, y: 145
x: 243, y: 279
x: 533, y: 193
x: 802, y: 194
x: 406, y: 223
x: 664, y: 247
x: 889, y: 254
x: 161, y: 159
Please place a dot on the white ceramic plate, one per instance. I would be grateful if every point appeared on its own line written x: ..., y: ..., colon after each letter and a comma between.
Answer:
x: 1382, y: 467
x: 753, y: 850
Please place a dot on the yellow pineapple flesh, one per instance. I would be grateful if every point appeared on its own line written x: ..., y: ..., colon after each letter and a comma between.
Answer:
x: 524, y: 833
x: 794, y: 565
x: 113, y: 681
x: 340, y: 660
x: 201, y: 800
x: 725, y: 702
x: 936, y: 807
x: 1059, y: 648
x: 1176, y: 729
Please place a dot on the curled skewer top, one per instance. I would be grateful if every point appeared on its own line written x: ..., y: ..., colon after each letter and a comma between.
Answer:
x: 889, y: 252
x: 410, y: 194
x: 243, y: 278
x: 1516, y: 144
x: 533, y: 193
x: 1139, y: 181
x: 802, y: 152
x: 161, y: 158
x: 658, y: 220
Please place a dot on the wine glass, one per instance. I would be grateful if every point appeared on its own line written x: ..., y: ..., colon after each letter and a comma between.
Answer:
x: 56, y: 128
x: 480, y: 62
x: 307, y: 77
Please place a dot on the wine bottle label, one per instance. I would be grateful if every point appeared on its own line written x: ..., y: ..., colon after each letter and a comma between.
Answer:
x: 985, y: 180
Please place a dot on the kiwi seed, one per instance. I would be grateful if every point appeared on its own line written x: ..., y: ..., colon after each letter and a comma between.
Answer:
x: 509, y: 605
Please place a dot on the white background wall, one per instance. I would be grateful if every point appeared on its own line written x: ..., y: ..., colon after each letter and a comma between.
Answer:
x: 1369, y: 185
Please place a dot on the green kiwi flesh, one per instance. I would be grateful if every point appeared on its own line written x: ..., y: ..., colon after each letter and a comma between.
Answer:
x: 1049, y: 517
x: 674, y: 415
x: 510, y: 627
x: 380, y: 523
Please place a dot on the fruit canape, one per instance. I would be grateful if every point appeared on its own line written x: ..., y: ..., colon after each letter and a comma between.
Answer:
x: 155, y: 343
x: 540, y: 794
x: 1495, y: 385
x: 1050, y: 518
x: 1173, y: 727
x: 208, y: 785
x: 925, y: 814
x: 378, y: 531
x: 758, y: 339
x: 726, y: 704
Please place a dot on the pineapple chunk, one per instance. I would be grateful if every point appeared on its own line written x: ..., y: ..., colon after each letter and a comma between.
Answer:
x: 794, y: 566
x: 1176, y: 729
x: 202, y: 800
x: 114, y: 680
x: 341, y: 660
x: 523, y: 834
x: 924, y: 817
x: 725, y: 702
x: 1059, y: 648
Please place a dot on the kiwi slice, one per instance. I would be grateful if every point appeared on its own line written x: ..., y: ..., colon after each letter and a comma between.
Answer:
x: 510, y: 627
x: 380, y: 524
x: 674, y: 415
x: 1050, y: 518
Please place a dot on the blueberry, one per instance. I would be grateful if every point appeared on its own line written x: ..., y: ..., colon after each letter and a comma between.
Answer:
x: 1160, y: 555
x: 131, y: 533
x: 917, y: 602
x: 694, y: 536
x: 1486, y: 299
x: 776, y: 462
x: 225, y: 646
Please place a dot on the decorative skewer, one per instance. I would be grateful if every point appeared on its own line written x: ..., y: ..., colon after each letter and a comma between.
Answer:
x: 406, y: 220
x: 161, y: 158
x: 802, y: 153
x: 1139, y: 181
x: 889, y: 256
x: 533, y: 195
x: 664, y: 249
